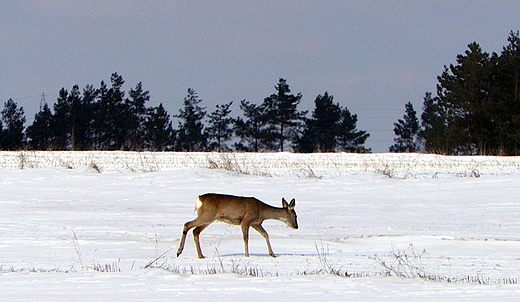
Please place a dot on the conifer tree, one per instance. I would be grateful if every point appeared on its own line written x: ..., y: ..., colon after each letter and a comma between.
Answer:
x: 281, y: 112
x: 322, y: 130
x: 41, y: 133
x: 112, y: 124
x: 71, y: 124
x: 61, y: 120
x: 159, y: 133
x: 434, y: 132
x: 407, y: 130
x: 254, y: 131
x: 191, y: 136
x: 331, y: 128
x: 13, y: 118
x: 220, y: 128
x: 466, y: 102
x: 507, y: 92
x: 350, y: 139
x: 83, y: 118
x: 137, y: 116
x: 2, y: 133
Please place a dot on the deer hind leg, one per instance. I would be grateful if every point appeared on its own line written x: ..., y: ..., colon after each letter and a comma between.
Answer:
x: 188, y: 226
x: 196, y: 233
x: 263, y: 232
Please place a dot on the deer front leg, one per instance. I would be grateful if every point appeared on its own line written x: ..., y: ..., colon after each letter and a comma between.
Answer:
x: 263, y: 232
x: 245, y: 235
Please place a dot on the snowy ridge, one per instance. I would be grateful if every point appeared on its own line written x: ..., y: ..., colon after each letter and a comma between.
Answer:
x: 271, y: 164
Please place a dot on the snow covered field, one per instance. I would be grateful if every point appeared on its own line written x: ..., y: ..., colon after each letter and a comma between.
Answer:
x: 423, y: 228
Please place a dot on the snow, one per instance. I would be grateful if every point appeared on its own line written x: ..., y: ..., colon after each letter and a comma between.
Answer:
x: 395, y: 165
x: 426, y: 228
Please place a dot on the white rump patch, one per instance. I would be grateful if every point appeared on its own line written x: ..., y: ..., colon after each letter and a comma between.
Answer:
x: 198, y: 203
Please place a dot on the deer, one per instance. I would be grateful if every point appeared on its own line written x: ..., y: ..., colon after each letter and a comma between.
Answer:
x: 237, y: 210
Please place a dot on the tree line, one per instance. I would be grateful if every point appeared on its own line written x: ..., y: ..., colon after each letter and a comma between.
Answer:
x: 105, y: 118
x: 476, y: 110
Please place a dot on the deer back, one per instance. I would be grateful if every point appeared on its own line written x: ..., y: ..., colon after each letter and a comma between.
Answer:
x: 230, y: 209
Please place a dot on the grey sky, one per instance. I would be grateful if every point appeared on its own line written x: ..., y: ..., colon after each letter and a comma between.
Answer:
x: 373, y: 56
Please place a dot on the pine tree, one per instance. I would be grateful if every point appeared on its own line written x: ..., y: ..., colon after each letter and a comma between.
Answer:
x: 61, y: 121
x: 254, y: 131
x: 281, y: 112
x: 191, y: 136
x: 407, y: 130
x: 137, y: 116
x: 350, y: 139
x: 306, y: 142
x: 76, y: 114
x: 331, y: 128
x: 477, y: 104
x: 434, y: 131
x: 506, y: 89
x: 40, y: 133
x: 112, y: 125
x: 2, y: 133
x: 71, y: 122
x: 159, y: 133
x: 465, y: 94
x: 100, y: 121
x: 220, y: 127
x: 83, y: 119
x: 13, y: 118
x: 322, y: 130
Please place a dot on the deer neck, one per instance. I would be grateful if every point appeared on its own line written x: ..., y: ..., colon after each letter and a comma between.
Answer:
x: 271, y: 212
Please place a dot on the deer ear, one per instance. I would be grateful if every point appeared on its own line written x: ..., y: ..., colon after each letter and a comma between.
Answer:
x: 285, y: 205
x: 292, y: 204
